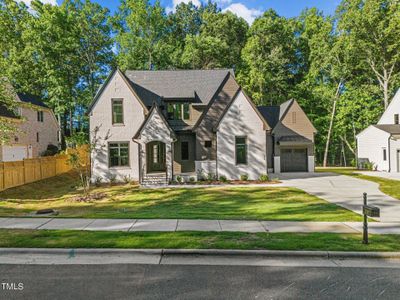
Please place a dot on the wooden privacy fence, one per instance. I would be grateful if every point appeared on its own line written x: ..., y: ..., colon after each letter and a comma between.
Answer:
x: 18, y: 173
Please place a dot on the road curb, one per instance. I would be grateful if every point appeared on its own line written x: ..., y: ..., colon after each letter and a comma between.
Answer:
x: 203, y: 252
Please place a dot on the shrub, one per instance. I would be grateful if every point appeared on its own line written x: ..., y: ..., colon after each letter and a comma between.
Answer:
x: 127, y: 179
x: 192, y: 179
x: 210, y: 177
x: 264, y: 177
x: 223, y: 178
x: 50, y: 151
x: 244, y: 177
x: 179, y: 179
x: 200, y: 175
x: 98, y: 180
x: 112, y: 178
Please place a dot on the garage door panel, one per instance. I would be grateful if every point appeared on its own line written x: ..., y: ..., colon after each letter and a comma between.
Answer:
x: 294, y: 160
x: 14, y: 153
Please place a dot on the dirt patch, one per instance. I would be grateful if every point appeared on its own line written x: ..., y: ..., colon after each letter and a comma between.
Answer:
x: 88, y: 198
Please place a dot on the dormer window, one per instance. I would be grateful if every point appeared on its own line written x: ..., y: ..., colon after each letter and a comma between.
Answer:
x: 396, y: 119
x: 178, y: 111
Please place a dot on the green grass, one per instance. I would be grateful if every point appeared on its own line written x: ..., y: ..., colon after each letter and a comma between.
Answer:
x: 195, y: 240
x: 129, y: 201
x: 388, y: 186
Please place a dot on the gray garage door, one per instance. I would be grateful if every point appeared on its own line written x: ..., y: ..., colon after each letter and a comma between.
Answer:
x: 294, y: 160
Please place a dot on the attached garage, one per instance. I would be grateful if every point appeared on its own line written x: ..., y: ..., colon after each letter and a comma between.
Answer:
x: 14, y: 153
x: 294, y: 160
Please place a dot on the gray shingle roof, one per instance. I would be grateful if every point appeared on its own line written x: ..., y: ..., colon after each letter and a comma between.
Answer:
x: 274, y: 114
x: 188, y: 84
x: 392, y: 129
x: 28, y: 98
x: 270, y: 114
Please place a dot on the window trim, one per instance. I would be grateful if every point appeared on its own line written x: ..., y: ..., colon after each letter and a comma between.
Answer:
x: 188, y: 151
x: 113, y: 100
x: 109, y: 156
x: 246, y: 151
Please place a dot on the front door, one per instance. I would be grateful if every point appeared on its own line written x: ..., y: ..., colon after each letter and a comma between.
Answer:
x: 155, y: 157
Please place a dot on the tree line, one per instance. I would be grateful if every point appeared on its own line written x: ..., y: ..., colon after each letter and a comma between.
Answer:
x: 342, y: 68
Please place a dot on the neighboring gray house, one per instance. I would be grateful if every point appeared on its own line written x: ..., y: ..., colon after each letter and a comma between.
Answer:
x: 152, y: 126
x: 380, y: 144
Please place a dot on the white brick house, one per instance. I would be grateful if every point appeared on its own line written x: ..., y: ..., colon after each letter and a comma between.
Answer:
x: 156, y: 125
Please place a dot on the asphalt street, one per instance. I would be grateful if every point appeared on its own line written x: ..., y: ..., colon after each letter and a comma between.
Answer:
x: 135, y: 281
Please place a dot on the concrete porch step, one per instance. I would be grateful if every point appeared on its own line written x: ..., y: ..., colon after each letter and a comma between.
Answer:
x: 158, y: 179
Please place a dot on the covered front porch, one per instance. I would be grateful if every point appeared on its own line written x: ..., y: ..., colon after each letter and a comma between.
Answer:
x: 156, y: 143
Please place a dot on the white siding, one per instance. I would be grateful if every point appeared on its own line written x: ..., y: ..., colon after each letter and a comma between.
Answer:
x: 101, y: 116
x: 393, y: 108
x: 394, y: 146
x: 371, y: 143
x: 241, y: 120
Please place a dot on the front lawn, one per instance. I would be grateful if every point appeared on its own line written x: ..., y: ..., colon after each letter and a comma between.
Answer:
x: 387, y: 186
x: 195, y: 240
x: 129, y: 201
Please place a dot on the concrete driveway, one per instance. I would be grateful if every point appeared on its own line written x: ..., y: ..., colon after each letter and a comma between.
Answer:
x: 386, y: 175
x: 345, y: 191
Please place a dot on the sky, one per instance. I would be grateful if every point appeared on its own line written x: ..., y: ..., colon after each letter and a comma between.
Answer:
x: 248, y: 9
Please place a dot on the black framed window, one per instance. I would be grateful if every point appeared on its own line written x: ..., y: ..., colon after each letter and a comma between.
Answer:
x: 178, y: 111
x: 396, y: 119
x: 37, y: 137
x: 185, y: 150
x: 241, y: 150
x: 117, y: 111
x: 40, y: 116
x: 384, y: 154
x: 186, y: 111
x: 118, y: 154
x: 208, y: 144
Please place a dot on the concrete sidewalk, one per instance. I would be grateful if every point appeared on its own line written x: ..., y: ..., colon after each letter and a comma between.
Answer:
x: 172, y: 225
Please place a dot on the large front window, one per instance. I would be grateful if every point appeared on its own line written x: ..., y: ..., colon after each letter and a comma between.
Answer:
x: 178, y: 111
x: 241, y: 150
x: 119, y: 154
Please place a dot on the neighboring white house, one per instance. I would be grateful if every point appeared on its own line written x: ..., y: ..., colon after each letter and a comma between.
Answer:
x: 153, y: 126
x: 380, y: 144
